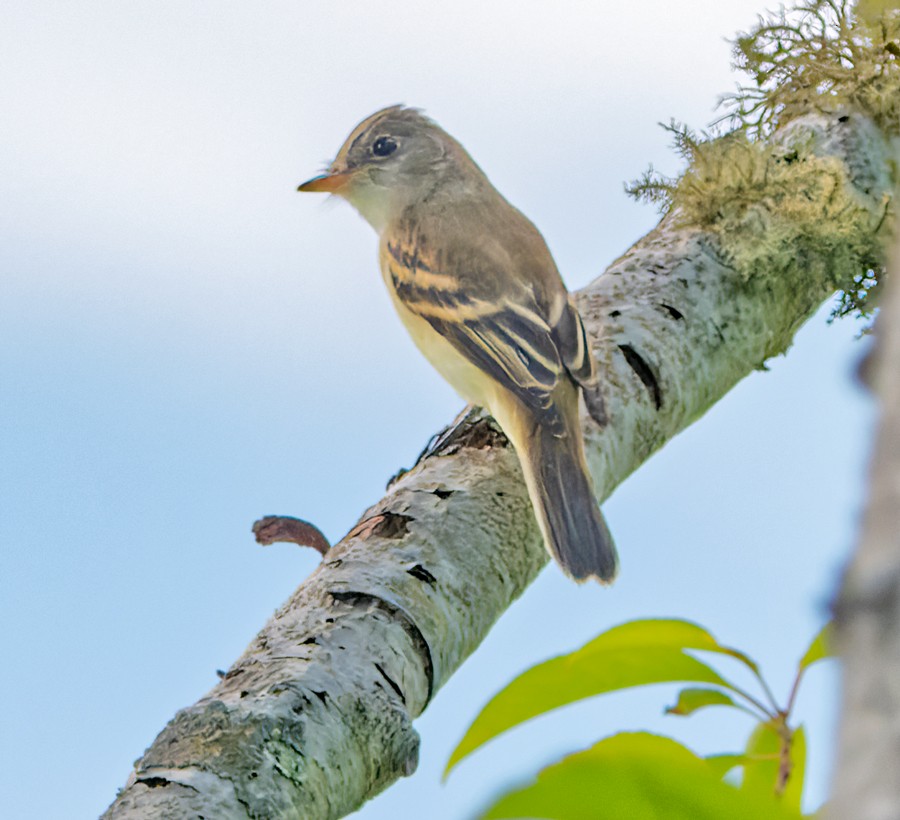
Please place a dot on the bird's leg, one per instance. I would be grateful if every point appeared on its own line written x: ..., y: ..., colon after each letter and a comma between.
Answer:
x: 441, y: 439
x: 462, y: 424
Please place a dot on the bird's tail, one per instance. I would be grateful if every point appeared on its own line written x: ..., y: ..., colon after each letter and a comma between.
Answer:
x: 559, y: 483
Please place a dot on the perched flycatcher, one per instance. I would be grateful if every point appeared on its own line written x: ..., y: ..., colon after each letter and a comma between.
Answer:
x: 477, y: 288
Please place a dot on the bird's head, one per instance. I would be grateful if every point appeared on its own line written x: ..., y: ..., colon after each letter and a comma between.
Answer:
x: 392, y: 160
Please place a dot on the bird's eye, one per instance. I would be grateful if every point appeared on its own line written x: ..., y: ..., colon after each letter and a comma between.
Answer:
x: 384, y: 146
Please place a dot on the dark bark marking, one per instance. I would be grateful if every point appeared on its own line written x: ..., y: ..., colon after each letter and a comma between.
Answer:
x: 391, y: 683
x: 644, y: 373
x: 418, y: 571
x: 154, y: 782
x: 385, y: 525
x: 673, y: 312
x: 409, y: 626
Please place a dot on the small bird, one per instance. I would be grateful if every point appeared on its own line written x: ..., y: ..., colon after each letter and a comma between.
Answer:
x: 476, y: 287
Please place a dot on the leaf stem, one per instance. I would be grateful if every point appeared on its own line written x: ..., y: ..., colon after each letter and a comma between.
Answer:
x: 749, y: 711
x: 770, y: 715
x: 793, y: 695
x: 768, y: 692
x: 785, y: 764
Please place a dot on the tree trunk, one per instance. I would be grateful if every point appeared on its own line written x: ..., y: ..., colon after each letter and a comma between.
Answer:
x: 316, y: 716
x: 867, y: 775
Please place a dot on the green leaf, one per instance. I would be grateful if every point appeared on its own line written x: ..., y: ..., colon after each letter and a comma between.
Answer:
x: 722, y: 764
x: 763, y: 762
x: 761, y: 766
x: 744, y: 659
x: 638, y: 776
x: 819, y: 649
x: 631, y: 654
x: 693, y: 698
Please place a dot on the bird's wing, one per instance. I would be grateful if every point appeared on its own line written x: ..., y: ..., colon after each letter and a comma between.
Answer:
x: 502, y: 330
x: 575, y: 351
x: 578, y: 358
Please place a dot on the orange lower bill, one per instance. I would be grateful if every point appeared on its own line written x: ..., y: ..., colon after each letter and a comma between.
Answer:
x: 326, y: 183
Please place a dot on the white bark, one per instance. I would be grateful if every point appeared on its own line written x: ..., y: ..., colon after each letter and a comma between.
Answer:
x: 316, y: 716
x: 867, y: 776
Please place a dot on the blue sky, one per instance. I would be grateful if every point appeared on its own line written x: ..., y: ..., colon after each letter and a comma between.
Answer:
x: 186, y: 344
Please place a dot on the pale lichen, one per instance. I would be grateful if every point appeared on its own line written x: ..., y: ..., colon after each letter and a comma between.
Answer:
x: 819, y: 56
x: 762, y: 187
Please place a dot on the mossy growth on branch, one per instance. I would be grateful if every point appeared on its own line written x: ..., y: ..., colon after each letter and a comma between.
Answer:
x: 820, y: 56
x: 760, y: 187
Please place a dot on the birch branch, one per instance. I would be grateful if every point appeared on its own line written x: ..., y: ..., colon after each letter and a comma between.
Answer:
x: 316, y: 716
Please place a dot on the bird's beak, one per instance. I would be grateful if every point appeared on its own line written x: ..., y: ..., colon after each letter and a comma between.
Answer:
x: 331, y: 183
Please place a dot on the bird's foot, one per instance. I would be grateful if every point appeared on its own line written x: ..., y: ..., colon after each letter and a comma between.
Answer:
x: 473, y: 427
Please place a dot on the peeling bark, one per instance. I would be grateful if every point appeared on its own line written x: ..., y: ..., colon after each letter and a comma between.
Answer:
x: 316, y: 716
x: 274, y: 529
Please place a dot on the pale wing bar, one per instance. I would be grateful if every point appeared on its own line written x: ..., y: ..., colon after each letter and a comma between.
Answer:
x: 519, y: 355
